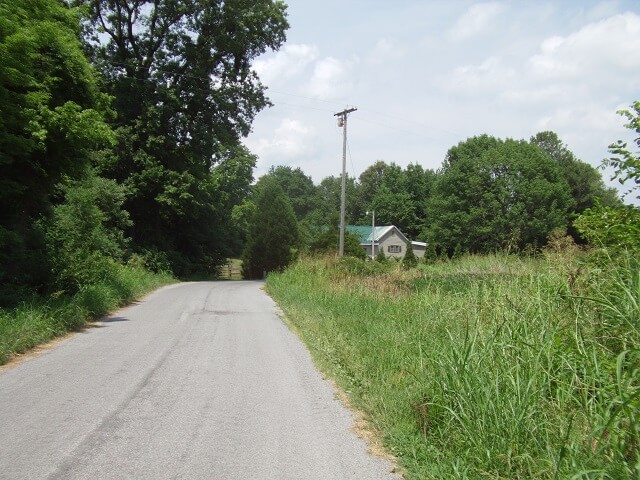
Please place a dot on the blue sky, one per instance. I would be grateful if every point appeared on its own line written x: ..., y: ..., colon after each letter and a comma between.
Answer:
x: 426, y: 75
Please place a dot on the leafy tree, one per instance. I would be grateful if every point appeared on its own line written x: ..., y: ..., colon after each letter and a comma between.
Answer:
x: 391, y: 200
x: 52, y: 118
x: 626, y: 163
x: 241, y: 216
x: 617, y: 227
x: 326, y: 210
x: 585, y: 181
x: 419, y: 186
x: 302, y: 194
x: 368, y: 184
x: 273, y: 235
x: 398, y: 197
x: 380, y: 256
x: 493, y: 194
x: 185, y: 94
x: 295, y: 185
x: 328, y: 242
x: 430, y: 254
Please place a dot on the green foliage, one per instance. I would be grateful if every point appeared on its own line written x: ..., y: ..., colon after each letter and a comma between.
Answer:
x: 85, y: 233
x: 626, y: 163
x: 241, y: 216
x: 185, y: 93
x: 53, y: 118
x: 585, y: 182
x: 328, y: 242
x: 297, y: 186
x: 617, y: 228
x: 496, y: 194
x: 398, y: 197
x: 430, y: 254
x: 409, y: 260
x: 37, y: 319
x: 380, y: 256
x: 326, y: 205
x: 483, y: 367
x: 350, y: 266
x: 274, y: 233
x: 52, y: 112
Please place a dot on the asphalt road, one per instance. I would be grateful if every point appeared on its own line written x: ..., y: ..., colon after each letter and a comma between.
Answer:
x: 197, y: 381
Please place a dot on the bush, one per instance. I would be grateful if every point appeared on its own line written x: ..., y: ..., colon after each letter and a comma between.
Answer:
x: 617, y: 228
x: 85, y: 235
x: 410, y: 260
x: 329, y: 241
x: 380, y: 256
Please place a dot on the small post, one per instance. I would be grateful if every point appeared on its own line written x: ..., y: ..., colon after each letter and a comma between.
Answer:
x: 373, y: 234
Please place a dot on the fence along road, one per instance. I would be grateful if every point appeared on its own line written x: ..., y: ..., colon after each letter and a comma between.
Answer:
x: 198, y: 380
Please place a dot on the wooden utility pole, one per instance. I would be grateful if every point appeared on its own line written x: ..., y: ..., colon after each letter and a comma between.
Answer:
x: 342, y: 121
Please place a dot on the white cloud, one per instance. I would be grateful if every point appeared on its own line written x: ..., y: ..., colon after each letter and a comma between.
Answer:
x: 489, y: 76
x: 289, y: 62
x: 591, y: 117
x: 603, y: 10
x: 477, y: 19
x: 610, y: 47
x: 384, y: 51
x: 290, y: 140
x: 330, y: 80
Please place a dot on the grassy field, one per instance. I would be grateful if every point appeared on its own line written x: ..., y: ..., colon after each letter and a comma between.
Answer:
x: 39, y: 319
x: 494, y: 367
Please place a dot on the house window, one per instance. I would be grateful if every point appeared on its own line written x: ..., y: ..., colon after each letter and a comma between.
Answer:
x: 394, y: 249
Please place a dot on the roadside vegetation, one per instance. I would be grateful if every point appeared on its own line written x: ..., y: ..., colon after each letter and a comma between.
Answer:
x: 492, y: 366
x: 472, y: 364
x: 39, y: 319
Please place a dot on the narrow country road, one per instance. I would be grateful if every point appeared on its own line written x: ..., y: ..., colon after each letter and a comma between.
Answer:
x: 196, y: 381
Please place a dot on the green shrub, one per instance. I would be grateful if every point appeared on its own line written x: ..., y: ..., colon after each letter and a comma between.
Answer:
x: 40, y: 319
x: 328, y: 242
x: 409, y: 260
x: 85, y: 233
x: 614, y: 227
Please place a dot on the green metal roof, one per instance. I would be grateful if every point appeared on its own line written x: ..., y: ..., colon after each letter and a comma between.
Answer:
x: 364, y: 232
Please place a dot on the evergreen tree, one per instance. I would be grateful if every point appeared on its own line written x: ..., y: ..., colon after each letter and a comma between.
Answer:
x: 410, y: 260
x: 273, y: 235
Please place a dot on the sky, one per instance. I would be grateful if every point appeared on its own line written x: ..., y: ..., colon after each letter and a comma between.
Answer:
x: 426, y: 75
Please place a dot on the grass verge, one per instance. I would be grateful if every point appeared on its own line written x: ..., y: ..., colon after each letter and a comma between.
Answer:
x: 486, y: 367
x: 39, y: 319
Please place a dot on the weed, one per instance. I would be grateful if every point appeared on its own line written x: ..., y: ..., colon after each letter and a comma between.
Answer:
x: 38, y: 320
x: 486, y: 366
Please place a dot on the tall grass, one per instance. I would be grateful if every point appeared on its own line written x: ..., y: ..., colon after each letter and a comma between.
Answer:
x: 40, y: 319
x: 486, y: 367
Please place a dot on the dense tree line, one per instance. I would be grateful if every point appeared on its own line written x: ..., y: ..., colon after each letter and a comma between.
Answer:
x: 490, y: 194
x: 120, y: 134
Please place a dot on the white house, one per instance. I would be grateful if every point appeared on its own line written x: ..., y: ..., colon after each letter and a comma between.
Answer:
x: 388, y: 238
